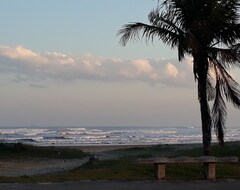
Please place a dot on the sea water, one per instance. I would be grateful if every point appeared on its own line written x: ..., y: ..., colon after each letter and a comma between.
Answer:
x: 77, y: 136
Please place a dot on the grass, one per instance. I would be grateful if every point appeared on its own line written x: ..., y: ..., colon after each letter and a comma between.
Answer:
x: 96, y: 170
x: 23, y: 151
x: 125, y: 167
x: 229, y: 149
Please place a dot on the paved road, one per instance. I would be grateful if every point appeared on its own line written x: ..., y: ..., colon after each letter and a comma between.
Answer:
x: 126, y: 185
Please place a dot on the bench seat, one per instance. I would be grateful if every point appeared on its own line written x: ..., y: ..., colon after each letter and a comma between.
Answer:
x: 210, y: 161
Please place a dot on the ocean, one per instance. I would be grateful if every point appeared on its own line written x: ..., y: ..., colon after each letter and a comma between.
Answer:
x: 79, y: 136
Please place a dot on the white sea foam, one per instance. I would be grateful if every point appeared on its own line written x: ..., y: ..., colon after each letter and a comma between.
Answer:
x: 107, y: 135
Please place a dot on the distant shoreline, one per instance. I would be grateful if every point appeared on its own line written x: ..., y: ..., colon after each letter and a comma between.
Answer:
x: 108, y: 136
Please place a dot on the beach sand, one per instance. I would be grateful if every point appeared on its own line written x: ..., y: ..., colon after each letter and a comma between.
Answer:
x: 14, y: 167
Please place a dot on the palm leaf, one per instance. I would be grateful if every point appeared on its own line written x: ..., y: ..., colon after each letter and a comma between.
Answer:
x: 232, y: 90
x: 211, y: 91
x: 132, y: 32
x: 230, y: 87
x: 229, y: 57
x: 219, y: 109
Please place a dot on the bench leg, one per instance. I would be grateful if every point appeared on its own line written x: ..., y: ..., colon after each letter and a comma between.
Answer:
x: 211, y: 173
x: 160, y: 171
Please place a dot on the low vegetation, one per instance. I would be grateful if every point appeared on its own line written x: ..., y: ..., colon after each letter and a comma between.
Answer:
x: 124, y: 166
x: 23, y: 151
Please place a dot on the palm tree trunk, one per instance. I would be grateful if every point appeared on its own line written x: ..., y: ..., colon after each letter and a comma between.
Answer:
x: 202, y: 70
x: 205, y: 118
x: 202, y: 65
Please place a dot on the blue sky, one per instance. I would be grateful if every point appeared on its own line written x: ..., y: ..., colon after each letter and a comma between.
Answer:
x: 75, y: 26
x: 61, y: 65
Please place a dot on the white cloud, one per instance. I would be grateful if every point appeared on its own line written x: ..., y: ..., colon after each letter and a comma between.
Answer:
x: 155, y: 76
x: 21, y: 53
x: 59, y: 58
x: 142, y: 66
x: 171, y: 70
x: 189, y: 62
x: 34, y: 66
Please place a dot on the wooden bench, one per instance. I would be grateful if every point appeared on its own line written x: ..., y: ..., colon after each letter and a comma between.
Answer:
x: 160, y: 164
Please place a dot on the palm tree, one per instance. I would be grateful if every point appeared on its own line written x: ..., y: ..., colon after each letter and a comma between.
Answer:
x: 209, y: 31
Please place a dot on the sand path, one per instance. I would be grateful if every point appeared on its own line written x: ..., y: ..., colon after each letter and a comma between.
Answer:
x: 28, y: 167
x: 37, y: 166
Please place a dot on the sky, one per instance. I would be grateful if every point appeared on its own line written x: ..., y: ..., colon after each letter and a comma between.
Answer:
x: 61, y: 65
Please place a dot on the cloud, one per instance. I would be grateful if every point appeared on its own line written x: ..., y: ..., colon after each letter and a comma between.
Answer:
x: 59, y: 58
x: 143, y: 66
x: 171, y: 70
x: 21, y: 53
x: 35, y: 67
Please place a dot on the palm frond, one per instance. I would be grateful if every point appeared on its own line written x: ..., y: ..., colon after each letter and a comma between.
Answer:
x: 223, y: 21
x: 229, y: 57
x: 219, y: 115
x: 132, y: 32
x: 219, y: 109
x: 211, y: 91
x: 184, y: 40
x: 232, y: 90
x: 230, y: 87
x: 229, y: 34
x: 225, y: 88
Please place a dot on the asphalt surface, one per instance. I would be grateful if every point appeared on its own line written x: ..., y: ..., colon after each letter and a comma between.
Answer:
x: 128, y: 185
